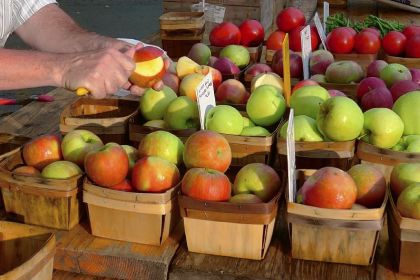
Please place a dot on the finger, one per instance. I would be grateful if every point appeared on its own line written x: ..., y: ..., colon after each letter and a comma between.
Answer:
x: 138, y: 91
x: 167, y: 63
x: 158, y: 86
x: 126, y: 61
x: 139, y: 46
x: 127, y: 85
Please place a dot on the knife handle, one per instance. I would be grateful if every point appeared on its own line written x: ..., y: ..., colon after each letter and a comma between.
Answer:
x: 82, y: 91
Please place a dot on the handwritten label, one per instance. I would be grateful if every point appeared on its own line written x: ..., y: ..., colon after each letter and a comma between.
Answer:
x: 205, y: 98
x: 305, y: 39
x: 286, y: 69
x: 291, y: 157
x: 212, y: 13
x: 320, y: 30
x: 326, y: 15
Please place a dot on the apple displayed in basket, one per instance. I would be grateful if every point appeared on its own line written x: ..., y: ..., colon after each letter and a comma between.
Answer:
x: 186, y: 66
x: 252, y: 33
x: 245, y: 198
x: 206, y: 184
x: 319, y: 61
x: 368, y: 84
x: 371, y: 185
x: 182, y: 113
x: 153, y: 103
x: 255, y: 131
x: 415, y: 75
x: 155, y: 123
x: 334, y: 92
x: 27, y: 170
x: 41, y: 151
x: 77, y: 143
x: 207, y: 149
x: 375, y: 67
x: 402, y: 87
x: 344, y: 72
x: 305, y: 129
x: 154, y: 174
x: 133, y: 156
x: 379, y: 97
x: 107, y: 165
x: 329, y: 187
x: 319, y: 78
x: 224, y: 119
x: 61, y: 169
x: 124, y: 186
x: 212, y: 61
x: 224, y: 34
x: 247, y: 122
x: 189, y: 84
x: 296, y: 68
x: 403, y: 175
x: 150, y: 66
x: 232, y: 91
x: 393, y: 73
x: 259, y: 179
x: 226, y: 66
x: 307, y: 100
x: 408, y: 202
x: 258, y: 68
x: 304, y: 83
x: 216, y: 75
x: 162, y: 144
x: 171, y: 80
x: 407, y: 107
x: 267, y: 79
x: 409, y: 143
x: 200, y: 53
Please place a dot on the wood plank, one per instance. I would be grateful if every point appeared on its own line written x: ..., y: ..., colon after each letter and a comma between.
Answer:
x: 79, y: 252
x: 394, y: 14
x: 64, y: 275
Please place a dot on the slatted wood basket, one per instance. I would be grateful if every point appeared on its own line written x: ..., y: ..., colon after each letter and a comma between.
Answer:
x: 53, y: 203
x: 362, y: 59
x: 107, y: 118
x: 229, y: 229
x: 26, y: 252
x: 404, y: 237
x: 384, y: 159
x: 331, y: 235
x: 406, y: 61
x: 269, y: 55
x: 146, y: 218
x: 349, y: 89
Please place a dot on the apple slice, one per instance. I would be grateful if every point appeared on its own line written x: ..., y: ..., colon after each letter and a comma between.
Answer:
x: 186, y: 66
x: 267, y: 79
x: 150, y: 66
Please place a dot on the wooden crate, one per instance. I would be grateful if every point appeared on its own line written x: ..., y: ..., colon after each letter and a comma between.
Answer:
x: 335, y: 3
x: 349, y: 89
x: 145, y: 218
x: 107, y: 118
x: 408, y: 62
x: 269, y: 55
x: 362, y: 59
x: 26, y: 252
x: 331, y: 235
x: 404, y: 237
x: 53, y: 203
x: 254, y: 53
x: 384, y: 159
x: 229, y: 229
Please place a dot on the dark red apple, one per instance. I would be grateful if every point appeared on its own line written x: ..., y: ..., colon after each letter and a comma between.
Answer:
x: 295, y: 41
x: 367, y: 84
x: 258, y: 68
x: 402, y: 87
x: 334, y: 92
x: 415, y: 74
x: 224, y: 34
x: 252, y: 33
x: 377, y: 98
x: 226, y: 66
x: 296, y: 66
x: 375, y: 67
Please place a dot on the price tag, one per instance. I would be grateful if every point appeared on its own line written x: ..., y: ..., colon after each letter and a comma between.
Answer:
x: 291, y: 157
x: 326, y: 15
x: 305, y: 39
x: 286, y: 69
x: 320, y: 30
x: 205, y: 98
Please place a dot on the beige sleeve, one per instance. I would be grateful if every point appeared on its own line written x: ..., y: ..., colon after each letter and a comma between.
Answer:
x: 24, y: 9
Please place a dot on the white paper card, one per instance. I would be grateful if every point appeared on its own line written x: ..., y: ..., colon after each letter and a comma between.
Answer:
x: 291, y: 157
x: 305, y: 39
x: 320, y: 30
x: 205, y: 98
x: 326, y: 15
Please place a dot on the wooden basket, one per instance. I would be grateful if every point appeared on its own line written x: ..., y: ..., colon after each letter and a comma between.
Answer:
x: 137, y: 131
x: 269, y: 55
x: 107, y: 118
x: 384, y: 159
x: 404, y: 237
x: 335, y: 3
x: 254, y: 53
x: 362, y: 59
x: 331, y: 235
x: 315, y: 155
x: 52, y: 203
x: 406, y: 61
x: 26, y: 252
x: 145, y: 218
x: 349, y: 89
x: 229, y: 229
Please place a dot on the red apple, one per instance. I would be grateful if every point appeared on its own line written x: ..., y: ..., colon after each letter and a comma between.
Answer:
x: 224, y: 34
x: 290, y: 18
x: 402, y: 87
x: 252, y: 33
x: 162, y: 144
x: 374, y: 68
x: 334, y: 92
x: 42, y: 151
x: 296, y: 43
x: 296, y: 68
x: 377, y: 98
x: 150, y: 66
x: 304, y: 83
x: 107, y: 166
x: 154, y: 174
x: 232, y: 91
x: 171, y: 80
x: 412, y: 47
x: 372, y: 30
x: 275, y: 40
x: 367, y: 84
x: 27, y: 170
x: 415, y: 74
x: 207, y: 149
x: 411, y: 30
x: 124, y: 186
x: 206, y: 184
x: 216, y: 75
x: 258, y: 68
x: 226, y: 66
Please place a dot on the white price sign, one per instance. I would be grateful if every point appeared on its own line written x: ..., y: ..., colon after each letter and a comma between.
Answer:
x: 326, y: 15
x: 320, y: 30
x: 205, y: 98
x: 305, y: 39
x: 291, y: 157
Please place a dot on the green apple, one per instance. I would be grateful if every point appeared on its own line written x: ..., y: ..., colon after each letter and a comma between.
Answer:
x: 408, y: 203
x: 399, y: 147
x: 307, y: 100
x: 162, y: 144
x: 344, y: 72
x: 403, y: 175
x: 266, y: 105
x: 155, y: 123
x: 61, y: 169
x: 247, y: 122
x: 133, y: 156
x: 77, y: 143
x: 255, y: 131
x: 382, y: 127
x: 182, y: 113
x: 153, y: 103
x: 245, y: 198
x: 305, y: 129
x: 407, y: 107
x: 224, y: 119
x: 340, y: 119
x: 239, y: 55
x: 394, y: 72
x: 413, y: 147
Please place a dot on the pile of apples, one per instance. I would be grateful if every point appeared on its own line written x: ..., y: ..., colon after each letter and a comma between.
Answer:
x: 363, y: 186
x: 344, y: 40
x: 405, y: 43
x: 207, y: 156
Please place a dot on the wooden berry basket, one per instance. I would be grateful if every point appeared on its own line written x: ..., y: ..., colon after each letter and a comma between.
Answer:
x: 107, y: 118
x: 254, y: 52
x: 145, y: 218
x: 137, y: 131
x: 229, y: 229
x: 269, y: 55
x: 362, y: 59
x: 349, y: 89
x: 26, y: 252
x: 331, y: 235
x: 53, y: 203
x: 384, y: 159
x: 406, y: 61
x: 404, y: 237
